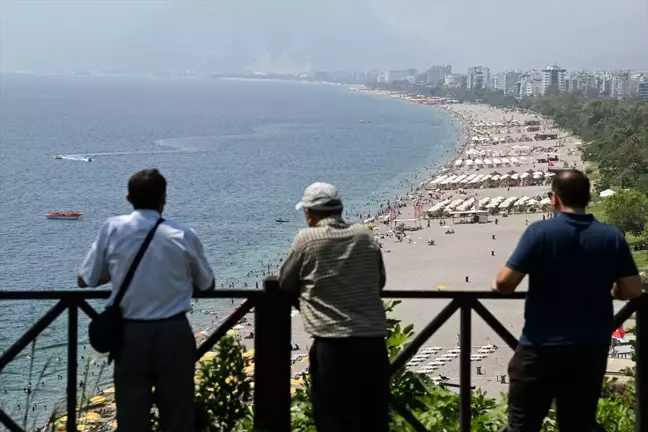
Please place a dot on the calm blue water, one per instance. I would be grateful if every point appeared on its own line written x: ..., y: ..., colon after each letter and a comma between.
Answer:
x: 236, y: 155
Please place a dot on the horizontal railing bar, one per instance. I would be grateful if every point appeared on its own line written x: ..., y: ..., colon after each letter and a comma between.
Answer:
x: 104, y: 294
x: 456, y: 294
x: 247, y: 293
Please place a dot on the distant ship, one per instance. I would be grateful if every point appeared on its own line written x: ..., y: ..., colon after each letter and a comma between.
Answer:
x: 364, y: 121
x: 58, y: 157
x: 281, y: 220
x: 67, y: 215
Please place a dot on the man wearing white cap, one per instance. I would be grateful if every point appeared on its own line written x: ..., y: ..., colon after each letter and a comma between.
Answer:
x: 337, y: 271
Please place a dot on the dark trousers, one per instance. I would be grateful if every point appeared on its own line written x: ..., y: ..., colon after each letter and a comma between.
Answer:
x: 350, y: 384
x: 572, y: 375
x: 158, y: 354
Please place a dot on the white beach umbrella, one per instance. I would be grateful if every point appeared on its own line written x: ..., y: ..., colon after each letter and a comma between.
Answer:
x: 606, y: 193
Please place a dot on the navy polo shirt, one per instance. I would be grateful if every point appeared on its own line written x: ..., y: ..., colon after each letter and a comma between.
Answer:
x: 572, y: 261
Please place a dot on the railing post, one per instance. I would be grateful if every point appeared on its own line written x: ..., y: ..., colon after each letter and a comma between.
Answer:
x: 272, y: 335
x: 73, y: 340
x: 641, y: 354
x: 464, y: 364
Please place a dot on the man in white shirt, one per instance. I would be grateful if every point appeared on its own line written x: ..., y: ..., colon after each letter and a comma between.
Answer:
x: 158, y: 348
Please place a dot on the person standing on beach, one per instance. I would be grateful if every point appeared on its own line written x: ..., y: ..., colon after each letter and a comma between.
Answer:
x: 158, y: 347
x: 576, y: 265
x: 337, y: 271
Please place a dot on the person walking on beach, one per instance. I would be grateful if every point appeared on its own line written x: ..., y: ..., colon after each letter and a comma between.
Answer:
x: 575, y: 266
x: 337, y: 271
x: 158, y: 347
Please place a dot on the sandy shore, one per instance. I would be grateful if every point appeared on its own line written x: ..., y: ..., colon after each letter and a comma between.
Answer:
x: 470, y: 252
x: 474, y: 250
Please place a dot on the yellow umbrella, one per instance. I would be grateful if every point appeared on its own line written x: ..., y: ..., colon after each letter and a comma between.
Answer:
x: 296, y: 382
x: 109, y: 390
x: 61, y: 419
x: 90, y: 417
x: 231, y: 332
x: 209, y: 355
x: 442, y: 287
x: 249, y: 353
x: 97, y: 400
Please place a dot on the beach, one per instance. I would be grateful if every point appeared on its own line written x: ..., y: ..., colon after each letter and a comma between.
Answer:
x: 475, y: 251
x: 507, y: 161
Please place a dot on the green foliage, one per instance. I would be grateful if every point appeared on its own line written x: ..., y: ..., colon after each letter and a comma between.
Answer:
x: 628, y: 211
x: 223, y: 393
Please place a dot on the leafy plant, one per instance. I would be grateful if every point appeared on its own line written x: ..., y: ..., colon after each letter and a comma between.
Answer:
x: 223, y: 391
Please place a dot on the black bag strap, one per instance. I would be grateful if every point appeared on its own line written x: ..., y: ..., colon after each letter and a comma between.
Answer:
x: 131, y: 271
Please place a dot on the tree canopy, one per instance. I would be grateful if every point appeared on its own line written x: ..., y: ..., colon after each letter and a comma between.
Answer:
x: 628, y: 211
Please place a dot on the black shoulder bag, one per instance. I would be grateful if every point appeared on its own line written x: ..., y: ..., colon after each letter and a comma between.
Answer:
x: 106, y: 330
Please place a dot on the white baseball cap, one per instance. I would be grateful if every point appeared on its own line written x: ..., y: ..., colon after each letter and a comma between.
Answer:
x: 320, y: 197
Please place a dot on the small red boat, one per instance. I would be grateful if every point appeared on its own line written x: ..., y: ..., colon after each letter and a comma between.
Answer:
x: 69, y: 215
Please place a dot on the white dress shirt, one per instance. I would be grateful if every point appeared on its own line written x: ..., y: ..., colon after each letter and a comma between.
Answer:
x: 163, y: 282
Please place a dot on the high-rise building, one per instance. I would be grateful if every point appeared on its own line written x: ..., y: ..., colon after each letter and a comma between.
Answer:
x: 508, y: 82
x: 582, y: 81
x: 620, y: 85
x: 553, y: 77
x: 642, y: 90
x: 436, y: 75
x: 478, y: 77
x: 531, y: 83
x: 455, y: 81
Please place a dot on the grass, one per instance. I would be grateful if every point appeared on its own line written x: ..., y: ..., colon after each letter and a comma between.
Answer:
x: 640, y: 257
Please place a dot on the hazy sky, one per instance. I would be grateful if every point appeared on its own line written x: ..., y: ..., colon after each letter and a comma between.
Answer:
x: 292, y: 35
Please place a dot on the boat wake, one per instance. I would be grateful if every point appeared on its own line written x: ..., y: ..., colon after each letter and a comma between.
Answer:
x: 174, y: 145
x: 80, y: 158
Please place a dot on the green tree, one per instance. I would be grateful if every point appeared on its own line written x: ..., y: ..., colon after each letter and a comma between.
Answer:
x: 627, y: 210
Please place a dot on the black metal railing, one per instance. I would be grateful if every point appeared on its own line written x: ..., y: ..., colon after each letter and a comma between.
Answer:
x: 272, y: 338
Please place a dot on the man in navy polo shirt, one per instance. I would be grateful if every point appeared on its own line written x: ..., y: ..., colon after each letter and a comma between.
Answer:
x: 576, y: 265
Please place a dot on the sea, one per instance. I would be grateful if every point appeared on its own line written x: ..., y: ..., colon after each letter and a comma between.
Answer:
x: 237, y: 155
